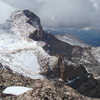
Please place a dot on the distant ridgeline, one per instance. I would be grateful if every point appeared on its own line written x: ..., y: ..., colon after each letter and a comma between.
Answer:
x: 90, y: 37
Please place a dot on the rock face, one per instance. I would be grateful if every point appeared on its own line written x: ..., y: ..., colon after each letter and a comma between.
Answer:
x: 27, y: 24
x: 55, y: 59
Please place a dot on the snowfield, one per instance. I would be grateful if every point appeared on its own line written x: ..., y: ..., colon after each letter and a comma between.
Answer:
x: 19, y: 55
x: 16, y: 90
x: 23, y: 55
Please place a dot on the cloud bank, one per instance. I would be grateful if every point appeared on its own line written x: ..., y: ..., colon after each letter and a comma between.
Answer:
x: 5, y: 11
x: 60, y: 13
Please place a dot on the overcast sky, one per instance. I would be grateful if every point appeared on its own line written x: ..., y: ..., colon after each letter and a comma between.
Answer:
x: 57, y: 13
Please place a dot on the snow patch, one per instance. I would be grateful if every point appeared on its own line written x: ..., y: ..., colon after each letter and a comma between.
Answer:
x: 16, y: 90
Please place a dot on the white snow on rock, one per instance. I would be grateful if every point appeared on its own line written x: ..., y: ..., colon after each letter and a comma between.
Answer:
x: 18, y: 52
x: 96, y: 53
x: 16, y: 90
x: 19, y: 24
x: 71, y: 40
x: 23, y: 56
x: 20, y: 56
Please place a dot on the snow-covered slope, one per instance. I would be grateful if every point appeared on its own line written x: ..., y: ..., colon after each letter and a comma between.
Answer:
x: 96, y: 53
x: 19, y: 55
x: 26, y: 56
x: 71, y: 40
x: 18, y: 52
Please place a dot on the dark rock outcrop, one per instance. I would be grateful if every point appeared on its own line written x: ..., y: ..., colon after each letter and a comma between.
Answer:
x: 34, y: 21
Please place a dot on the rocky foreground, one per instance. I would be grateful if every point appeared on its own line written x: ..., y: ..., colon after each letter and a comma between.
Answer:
x: 42, y: 89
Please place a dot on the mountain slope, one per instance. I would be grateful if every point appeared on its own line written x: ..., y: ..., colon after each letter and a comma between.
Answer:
x: 29, y: 51
x: 71, y: 40
x: 19, y: 52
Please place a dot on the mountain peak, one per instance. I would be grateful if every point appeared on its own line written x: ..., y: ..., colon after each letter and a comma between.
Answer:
x: 32, y: 18
x: 26, y: 23
x: 55, y: 60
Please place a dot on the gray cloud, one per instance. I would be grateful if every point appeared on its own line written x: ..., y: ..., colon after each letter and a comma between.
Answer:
x: 5, y: 11
x: 62, y: 13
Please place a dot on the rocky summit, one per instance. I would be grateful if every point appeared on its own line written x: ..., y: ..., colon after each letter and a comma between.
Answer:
x: 33, y: 58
